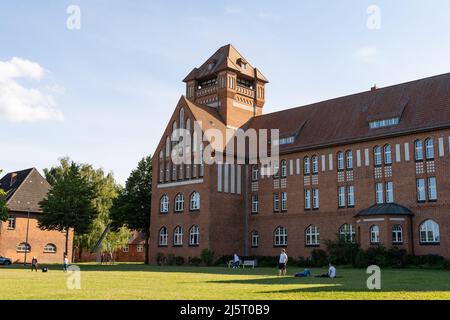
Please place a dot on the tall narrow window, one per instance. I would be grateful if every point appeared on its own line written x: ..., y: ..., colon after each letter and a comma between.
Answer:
x: 164, y: 204
x: 255, y: 239
x: 341, y: 197
x: 163, y: 237
x: 379, y: 193
x: 315, y: 198
x: 194, y: 236
x: 429, y: 149
x: 280, y: 236
x: 11, y: 222
x: 194, y: 201
x: 276, y: 202
x: 255, y: 203
x: 179, y: 203
x: 387, y: 155
x: 161, y: 167
x: 374, y: 234
x: 178, y: 236
x: 347, y: 233
x: 315, y: 164
x: 167, y: 148
x: 284, y: 198
x: 351, y: 196
x: 255, y: 172
x: 312, y: 236
x: 421, y: 196
x: 340, y: 160
x: 306, y: 166
x: 432, y: 190
x: 389, y: 192
x: 397, y: 234
x: 276, y: 169
x: 283, y: 168
x: 307, y: 199
x: 349, y: 160
x: 377, y: 155
x: 418, y: 150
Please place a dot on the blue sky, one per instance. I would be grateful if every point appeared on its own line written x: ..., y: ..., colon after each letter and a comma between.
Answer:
x: 103, y: 93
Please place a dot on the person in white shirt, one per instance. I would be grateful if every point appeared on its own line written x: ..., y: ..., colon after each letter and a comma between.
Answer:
x: 65, y: 263
x: 282, y: 262
x: 236, y: 261
x: 331, y: 271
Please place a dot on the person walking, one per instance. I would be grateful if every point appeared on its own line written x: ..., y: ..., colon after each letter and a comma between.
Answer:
x: 282, y: 262
x: 65, y: 263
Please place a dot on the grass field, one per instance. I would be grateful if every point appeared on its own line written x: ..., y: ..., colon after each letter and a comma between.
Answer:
x: 136, y: 281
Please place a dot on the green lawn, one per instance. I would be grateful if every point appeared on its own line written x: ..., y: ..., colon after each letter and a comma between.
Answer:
x: 136, y: 281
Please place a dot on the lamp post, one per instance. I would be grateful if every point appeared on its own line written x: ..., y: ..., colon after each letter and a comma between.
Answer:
x: 26, y: 237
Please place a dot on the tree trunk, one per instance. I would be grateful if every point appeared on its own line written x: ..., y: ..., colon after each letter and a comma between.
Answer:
x: 67, y: 242
x: 147, y: 240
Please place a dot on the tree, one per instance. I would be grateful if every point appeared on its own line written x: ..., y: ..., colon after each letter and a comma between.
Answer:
x: 68, y: 204
x: 3, y: 208
x: 132, y: 206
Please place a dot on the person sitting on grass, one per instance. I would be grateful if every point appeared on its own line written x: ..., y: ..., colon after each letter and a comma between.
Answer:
x: 330, y: 274
x: 34, y: 264
x: 305, y: 273
x: 282, y: 262
x: 236, y: 261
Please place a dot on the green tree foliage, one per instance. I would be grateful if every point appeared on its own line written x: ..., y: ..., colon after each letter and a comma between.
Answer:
x: 3, y: 208
x: 132, y: 207
x: 68, y: 204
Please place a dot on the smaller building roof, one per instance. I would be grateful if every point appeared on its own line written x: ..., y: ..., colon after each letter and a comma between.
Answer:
x: 385, y: 209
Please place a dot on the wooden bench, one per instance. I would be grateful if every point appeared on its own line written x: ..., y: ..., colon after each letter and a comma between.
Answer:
x: 243, y: 264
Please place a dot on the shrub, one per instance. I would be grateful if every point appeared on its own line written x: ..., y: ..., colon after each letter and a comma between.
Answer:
x: 342, y: 252
x: 319, y: 258
x: 397, y: 257
x: 160, y: 258
x: 207, y: 257
x: 179, y: 261
x: 194, y: 261
x: 170, y: 259
x: 361, y: 259
x: 268, y: 261
x: 303, y: 262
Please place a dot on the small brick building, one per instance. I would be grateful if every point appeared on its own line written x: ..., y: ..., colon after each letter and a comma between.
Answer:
x: 371, y: 167
x: 20, y: 236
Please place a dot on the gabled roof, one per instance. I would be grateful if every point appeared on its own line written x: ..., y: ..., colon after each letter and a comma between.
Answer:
x: 421, y: 105
x: 28, y: 188
x: 385, y: 209
x: 226, y: 58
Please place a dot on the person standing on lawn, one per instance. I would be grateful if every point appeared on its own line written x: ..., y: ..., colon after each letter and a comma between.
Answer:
x: 34, y: 264
x: 65, y: 263
x: 282, y: 262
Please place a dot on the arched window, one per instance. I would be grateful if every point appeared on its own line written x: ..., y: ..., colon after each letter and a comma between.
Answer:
x: 340, y: 160
x: 23, y: 247
x: 387, y: 154
x: 161, y: 167
x: 418, y: 150
x: 163, y: 236
x: 181, y: 119
x: 164, y: 204
x: 374, y: 234
x: 429, y: 149
x: 276, y: 169
x: 315, y: 164
x: 179, y: 203
x: 347, y: 233
x: 178, y: 236
x: 306, y: 166
x: 255, y: 239
x: 167, y: 147
x: 283, y: 168
x: 195, y: 201
x: 397, y: 234
x: 50, y: 248
x: 255, y: 172
x: 349, y: 157
x: 188, y: 138
x: 312, y: 236
x: 377, y: 155
x: 280, y: 236
x: 429, y: 232
x: 194, y: 236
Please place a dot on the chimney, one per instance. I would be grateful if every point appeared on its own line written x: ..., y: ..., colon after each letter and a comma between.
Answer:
x: 374, y: 88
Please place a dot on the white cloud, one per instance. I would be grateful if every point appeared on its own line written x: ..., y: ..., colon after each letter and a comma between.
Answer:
x: 19, y: 103
x: 368, y: 55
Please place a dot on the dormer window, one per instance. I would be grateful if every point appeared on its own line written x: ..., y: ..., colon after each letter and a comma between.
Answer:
x: 384, y: 123
x: 13, y: 178
x: 283, y: 141
x: 242, y: 63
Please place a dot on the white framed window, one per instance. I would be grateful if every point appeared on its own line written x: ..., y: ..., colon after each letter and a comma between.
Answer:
x: 307, y: 199
x: 11, y: 222
x: 351, y: 196
x: 315, y: 198
x: 194, y: 201
x: 429, y: 149
x: 421, y: 196
x: 255, y: 239
x: 418, y: 150
x: 23, y: 247
x: 377, y: 156
x: 306, y: 166
x: 163, y: 236
x: 164, y: 204
x: 276, y: 169
x: 312, y: 236
x: 284, y: 199
x: 379, y: 193
x: 432, y: 189
x: 255, y: 172
x: 283, y: 168
x: 255, y: 203
x: 384, y: 123
x: 140, y: 248
x: 315, y: 164
x: 429, y: 232
x: 340, y: 160
x: 397, y: 234
x: 194, y: 236
x: 347, y: 233
x: 341, y: 197
x: 125, y: 248
x: 387, y: 154
x: 179, y: 203
x: 374, y: 234
x: 178, y: 236
x: 50, y: 248
x: 280, y: 236
x: 276, y: 202
x: 349, y: 162
x: 389, y: 192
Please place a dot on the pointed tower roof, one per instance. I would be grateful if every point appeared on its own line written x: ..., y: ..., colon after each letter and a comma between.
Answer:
x: 226, y: 58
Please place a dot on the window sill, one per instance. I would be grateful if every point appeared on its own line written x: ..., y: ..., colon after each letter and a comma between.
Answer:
x: 255, y: 247
x: 433, y: 200
x: 162, y: 246
x: 397, y: 243
x: 178, y: 212
x: 312, y: 245
x: 194, y: 210
x: 177, y: 246
x: 421, y: 201
x: 430, y: 243
x: 280, y: 245
x: 194, y: 245
x: 254, y: 213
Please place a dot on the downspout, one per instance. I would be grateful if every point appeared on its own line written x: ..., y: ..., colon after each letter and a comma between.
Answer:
x: 411, y: 231
x: 246, y: 251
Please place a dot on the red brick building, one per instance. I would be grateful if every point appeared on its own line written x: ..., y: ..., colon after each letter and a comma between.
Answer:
x: 20, y: 236
x: 371, y: 167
